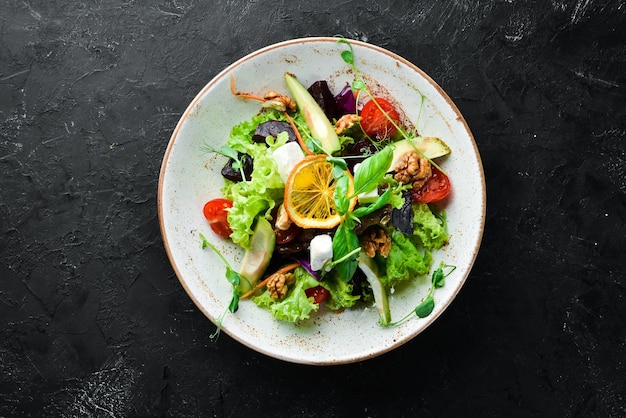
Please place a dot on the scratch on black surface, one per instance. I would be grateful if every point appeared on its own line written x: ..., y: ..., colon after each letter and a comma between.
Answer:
x: 107, y: 392
x: 93, y: 321
x: 579, y: 10
x: 10, y: 76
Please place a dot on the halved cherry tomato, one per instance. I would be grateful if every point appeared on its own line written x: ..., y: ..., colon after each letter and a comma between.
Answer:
x: 374, y: 122
x: 435, y: 189
x: 215, y: 211
x: 318, y: 293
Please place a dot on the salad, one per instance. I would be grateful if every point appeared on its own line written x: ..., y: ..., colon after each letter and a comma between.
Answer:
x: 331, y: 197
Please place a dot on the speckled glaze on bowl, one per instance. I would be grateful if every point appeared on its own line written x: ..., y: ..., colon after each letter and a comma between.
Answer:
x: 190, y: 177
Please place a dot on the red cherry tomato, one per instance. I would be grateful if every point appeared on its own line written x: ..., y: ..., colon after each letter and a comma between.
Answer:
x: 215, y: 211
x: 435, y: 189
x: 318, y: 293
x: 375, y: 123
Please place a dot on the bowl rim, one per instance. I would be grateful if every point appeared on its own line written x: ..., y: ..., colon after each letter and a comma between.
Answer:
x: 216, y: 79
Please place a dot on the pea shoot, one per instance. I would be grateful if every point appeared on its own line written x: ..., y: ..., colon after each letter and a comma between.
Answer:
x: 228, y: 152
x: 233, y: 278
x: 360, y: 86
x: 427, y: 306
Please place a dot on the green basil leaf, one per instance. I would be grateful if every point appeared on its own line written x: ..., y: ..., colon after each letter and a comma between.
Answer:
x: 345, y: 241
x: 426, y: 307
x: 372, y: 170
x: 350, y: 220
x: 382, y: 200
x: 341, y: 194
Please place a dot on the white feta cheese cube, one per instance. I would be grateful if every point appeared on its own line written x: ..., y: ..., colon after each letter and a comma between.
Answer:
x: 321, y: 251
x: 286, y: 157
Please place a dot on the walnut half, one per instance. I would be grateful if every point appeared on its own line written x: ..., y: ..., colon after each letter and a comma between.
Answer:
x: 279, y: 102
x: 376, y: 239
x: 283, y: 222
x: 346, y: 122
x: 413, y: 169
x: 278, y: 285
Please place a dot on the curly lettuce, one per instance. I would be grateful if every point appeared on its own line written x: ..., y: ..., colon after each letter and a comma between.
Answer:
x: 410, y: 256
x: 405, y: 260
x: 296, y: 306
x: 264, y: 191
x: 429, y: 228
x: 340, y: 294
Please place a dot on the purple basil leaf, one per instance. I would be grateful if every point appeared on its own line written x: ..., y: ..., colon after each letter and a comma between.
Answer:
x: 346, y: 104
x: 322, y: 95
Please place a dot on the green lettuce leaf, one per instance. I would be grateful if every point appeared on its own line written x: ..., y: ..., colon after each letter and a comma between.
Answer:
x: 340, y: 293
x: 265, y: 189
x: 241, y: 134
x: 253, y: 198
x: 405, y: 261
x: 396, y: 190
x: 428, y: 228
x: 295, y: 306
x: 248, y: 203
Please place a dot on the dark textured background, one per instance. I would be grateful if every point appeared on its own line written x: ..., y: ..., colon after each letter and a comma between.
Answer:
x: 93, y: 321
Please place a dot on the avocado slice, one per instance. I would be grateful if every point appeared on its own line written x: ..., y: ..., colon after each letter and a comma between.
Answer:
x: 430, y: 147
x: 258, y: 256
x: 315, y: 118
x: 370, y: 269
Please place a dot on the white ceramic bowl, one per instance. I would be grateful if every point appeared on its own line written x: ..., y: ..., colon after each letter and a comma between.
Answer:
x: 189, y: 177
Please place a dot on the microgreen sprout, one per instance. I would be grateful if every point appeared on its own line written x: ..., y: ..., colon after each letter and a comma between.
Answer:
x: 427, y: 306
x: 359, y: 86
x: 228, y: 152
x: 233, y: 278
x: 329, y: 265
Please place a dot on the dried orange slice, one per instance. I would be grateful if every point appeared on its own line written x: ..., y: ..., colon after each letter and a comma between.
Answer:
x: 309, y: 194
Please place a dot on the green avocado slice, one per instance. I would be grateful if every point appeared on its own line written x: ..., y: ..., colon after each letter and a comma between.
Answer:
x: 315, y: 118
x: 258, y: 256
x: 370, y: 269
x: 430, y: 147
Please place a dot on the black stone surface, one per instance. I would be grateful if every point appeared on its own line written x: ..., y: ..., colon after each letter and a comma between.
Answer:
x: 93, y: 321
